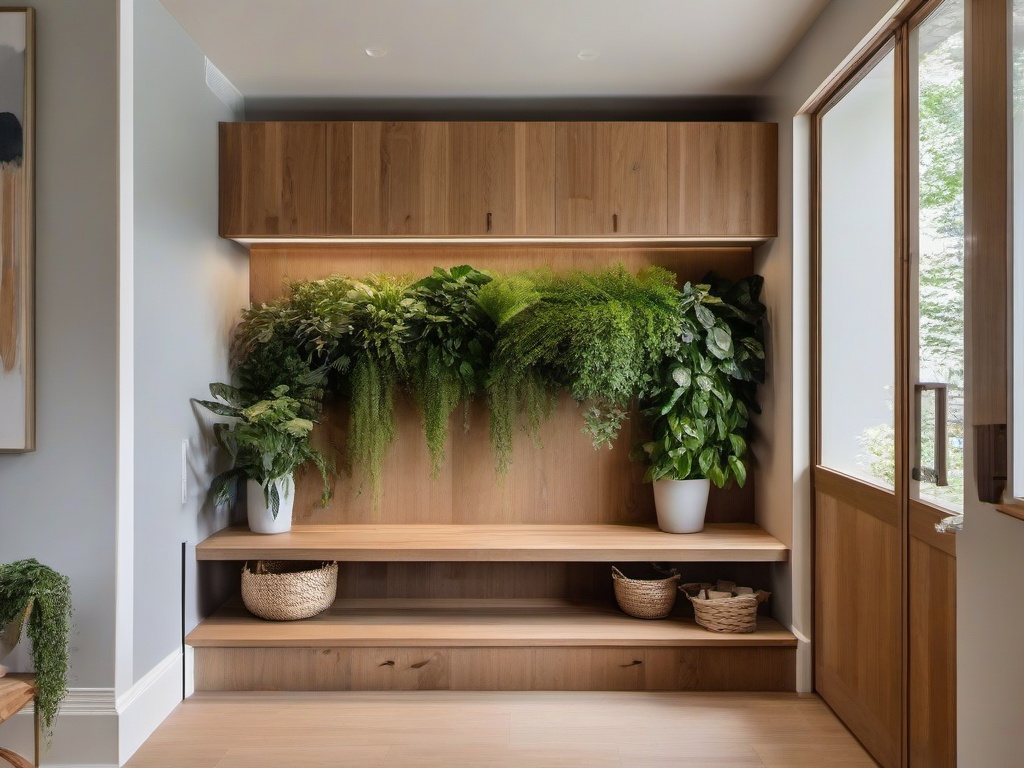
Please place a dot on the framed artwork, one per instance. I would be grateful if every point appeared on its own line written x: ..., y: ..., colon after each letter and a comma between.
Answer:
x: 17, y: 225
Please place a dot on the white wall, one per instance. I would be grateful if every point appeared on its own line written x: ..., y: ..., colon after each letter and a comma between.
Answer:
x: 188, y: 288
x: 783, y: 453
x: 58, y: 504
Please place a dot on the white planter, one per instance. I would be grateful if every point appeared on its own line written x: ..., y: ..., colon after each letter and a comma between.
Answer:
x: 681, y: 504
x: 261, y: 519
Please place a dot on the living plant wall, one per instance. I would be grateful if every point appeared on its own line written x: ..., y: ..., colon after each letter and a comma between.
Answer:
x: 691, y: 356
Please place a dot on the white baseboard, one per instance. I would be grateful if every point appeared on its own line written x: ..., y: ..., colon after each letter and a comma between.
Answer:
x: 95, y: 730
x: 147, y: 703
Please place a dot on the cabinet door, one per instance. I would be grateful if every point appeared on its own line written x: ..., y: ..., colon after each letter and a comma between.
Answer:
x: 722, y: 179
x: 401, y: 178
x: 339, y: 179
x: 272, y: 179
x: 610, y: 178
x: 481, y: 192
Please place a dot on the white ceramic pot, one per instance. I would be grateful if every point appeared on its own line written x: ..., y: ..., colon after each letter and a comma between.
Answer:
x: 681, y: 504
x: 261, y: 519
x: 10, y: 635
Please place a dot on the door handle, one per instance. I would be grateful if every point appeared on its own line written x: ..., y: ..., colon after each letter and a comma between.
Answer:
x: 938, y: 473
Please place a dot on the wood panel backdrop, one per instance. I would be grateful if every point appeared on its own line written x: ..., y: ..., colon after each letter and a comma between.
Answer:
x: 565, y: 481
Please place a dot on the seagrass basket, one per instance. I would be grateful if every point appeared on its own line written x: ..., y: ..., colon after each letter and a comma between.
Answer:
x: 735, y: 614
x: 645, y: 598
x: 286, y: 590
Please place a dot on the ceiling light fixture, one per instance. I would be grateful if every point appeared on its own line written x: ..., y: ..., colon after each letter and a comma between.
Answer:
x: 376, y: 52
x: 586, y: 55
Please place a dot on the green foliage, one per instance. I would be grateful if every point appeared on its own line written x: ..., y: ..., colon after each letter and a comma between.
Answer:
x: 449, y: 356
x: 598, y: 335
x: 28, y: 582
x: 382, y: 313
x: 268, y: 441
x: 700, y: 406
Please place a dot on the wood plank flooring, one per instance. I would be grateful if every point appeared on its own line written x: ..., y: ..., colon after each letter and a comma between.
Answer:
x: 501, y: 730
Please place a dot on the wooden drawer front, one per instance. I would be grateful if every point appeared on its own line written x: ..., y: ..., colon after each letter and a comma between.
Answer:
x: 273, y: 179
x: 723, y: 179
x: 496, y: 669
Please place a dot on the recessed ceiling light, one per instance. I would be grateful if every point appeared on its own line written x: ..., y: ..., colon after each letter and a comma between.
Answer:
x: 376, y: 52
x: 586, y: 55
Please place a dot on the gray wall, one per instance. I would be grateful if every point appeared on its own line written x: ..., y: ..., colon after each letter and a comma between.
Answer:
x: 189, y: 287
x: 58, y: 504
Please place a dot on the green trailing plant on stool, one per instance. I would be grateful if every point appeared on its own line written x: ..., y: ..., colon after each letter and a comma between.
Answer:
x: 699, y: 410
x: 268, y: 441
x: 29, y: 582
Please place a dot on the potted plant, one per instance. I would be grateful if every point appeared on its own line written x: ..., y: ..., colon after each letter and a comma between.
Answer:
x: 268, y: 442
x: 36, y: 597
x: 699, y: 411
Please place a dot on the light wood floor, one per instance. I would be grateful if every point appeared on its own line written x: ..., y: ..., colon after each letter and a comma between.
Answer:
x: 501, y: 730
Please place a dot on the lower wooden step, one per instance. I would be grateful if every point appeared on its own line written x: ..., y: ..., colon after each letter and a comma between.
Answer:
x: 502, y: 645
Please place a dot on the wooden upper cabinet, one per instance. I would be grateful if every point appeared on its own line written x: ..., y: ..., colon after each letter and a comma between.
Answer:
x: 273, y: 179
x: 610, y: 178
x: 450, y: 179
x: 498, y: 179
x: 723, y: 179
x: 401, y: 177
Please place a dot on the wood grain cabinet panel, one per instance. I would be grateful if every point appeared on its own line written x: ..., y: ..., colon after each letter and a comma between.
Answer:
x: 401, y: 174
x: 610, y: 179
x: 338, y: 214
x: 273, y: 179
x: 723, y: 179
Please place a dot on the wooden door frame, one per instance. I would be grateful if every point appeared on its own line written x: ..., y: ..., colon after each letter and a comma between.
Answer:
x: 913, y: 517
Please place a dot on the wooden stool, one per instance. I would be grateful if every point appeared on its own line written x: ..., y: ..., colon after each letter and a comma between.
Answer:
x: 16, y: 693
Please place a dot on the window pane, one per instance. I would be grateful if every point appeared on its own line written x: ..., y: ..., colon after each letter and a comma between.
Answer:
x: 937, y: 54
x: 857, y: 279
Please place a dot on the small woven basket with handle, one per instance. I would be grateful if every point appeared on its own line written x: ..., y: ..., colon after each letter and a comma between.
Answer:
x: 645, y: 598
x: 285, y: 590
x: 724, y: 614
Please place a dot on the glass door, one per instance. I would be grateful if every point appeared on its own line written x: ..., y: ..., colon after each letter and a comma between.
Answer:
x: 937, y: 256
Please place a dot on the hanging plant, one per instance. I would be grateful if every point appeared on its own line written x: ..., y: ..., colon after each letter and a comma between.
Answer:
x: 450, y: 352
x: 383, y: 314
x: 598, y: 335
x: 29, y: 583
x: 699, y: 410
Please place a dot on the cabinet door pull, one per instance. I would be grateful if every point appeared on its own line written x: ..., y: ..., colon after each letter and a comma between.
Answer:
x: 488, y: 221
x: 388, y: 663
x: 420, y: 664
x: 615, y: 222
x: 633, y: 663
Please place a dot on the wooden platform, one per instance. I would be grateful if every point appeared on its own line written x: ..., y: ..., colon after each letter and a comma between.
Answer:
x: 727, y: 542
x: 457, y: 623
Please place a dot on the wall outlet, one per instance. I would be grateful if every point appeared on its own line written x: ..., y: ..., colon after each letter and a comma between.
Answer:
x: 184, y: 472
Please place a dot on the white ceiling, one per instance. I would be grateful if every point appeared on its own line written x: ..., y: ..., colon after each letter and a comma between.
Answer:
x: 495, y: 48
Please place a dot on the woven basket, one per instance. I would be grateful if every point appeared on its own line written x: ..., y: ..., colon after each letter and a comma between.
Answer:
x: 737, y: 614
x: 283, y: 590
x: 645, y: 598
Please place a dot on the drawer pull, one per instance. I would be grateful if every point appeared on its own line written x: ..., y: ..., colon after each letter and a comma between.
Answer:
x: 615, y: 222
x: 633, y: 663
x: 488, y: 221
x: 420, y: 664
x: 386, y: 664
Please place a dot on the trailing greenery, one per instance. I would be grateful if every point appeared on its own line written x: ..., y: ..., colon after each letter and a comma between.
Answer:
x: 381, y: 311
x: 268, y: 441
x: 700, y: 407
x: 608, y: 338
x: 29, y: 582
x: 599, y: 335
x: 449, y: 355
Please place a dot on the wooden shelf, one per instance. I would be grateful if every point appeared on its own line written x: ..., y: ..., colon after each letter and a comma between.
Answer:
x: 736, y: 542
x: 395, y: 623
